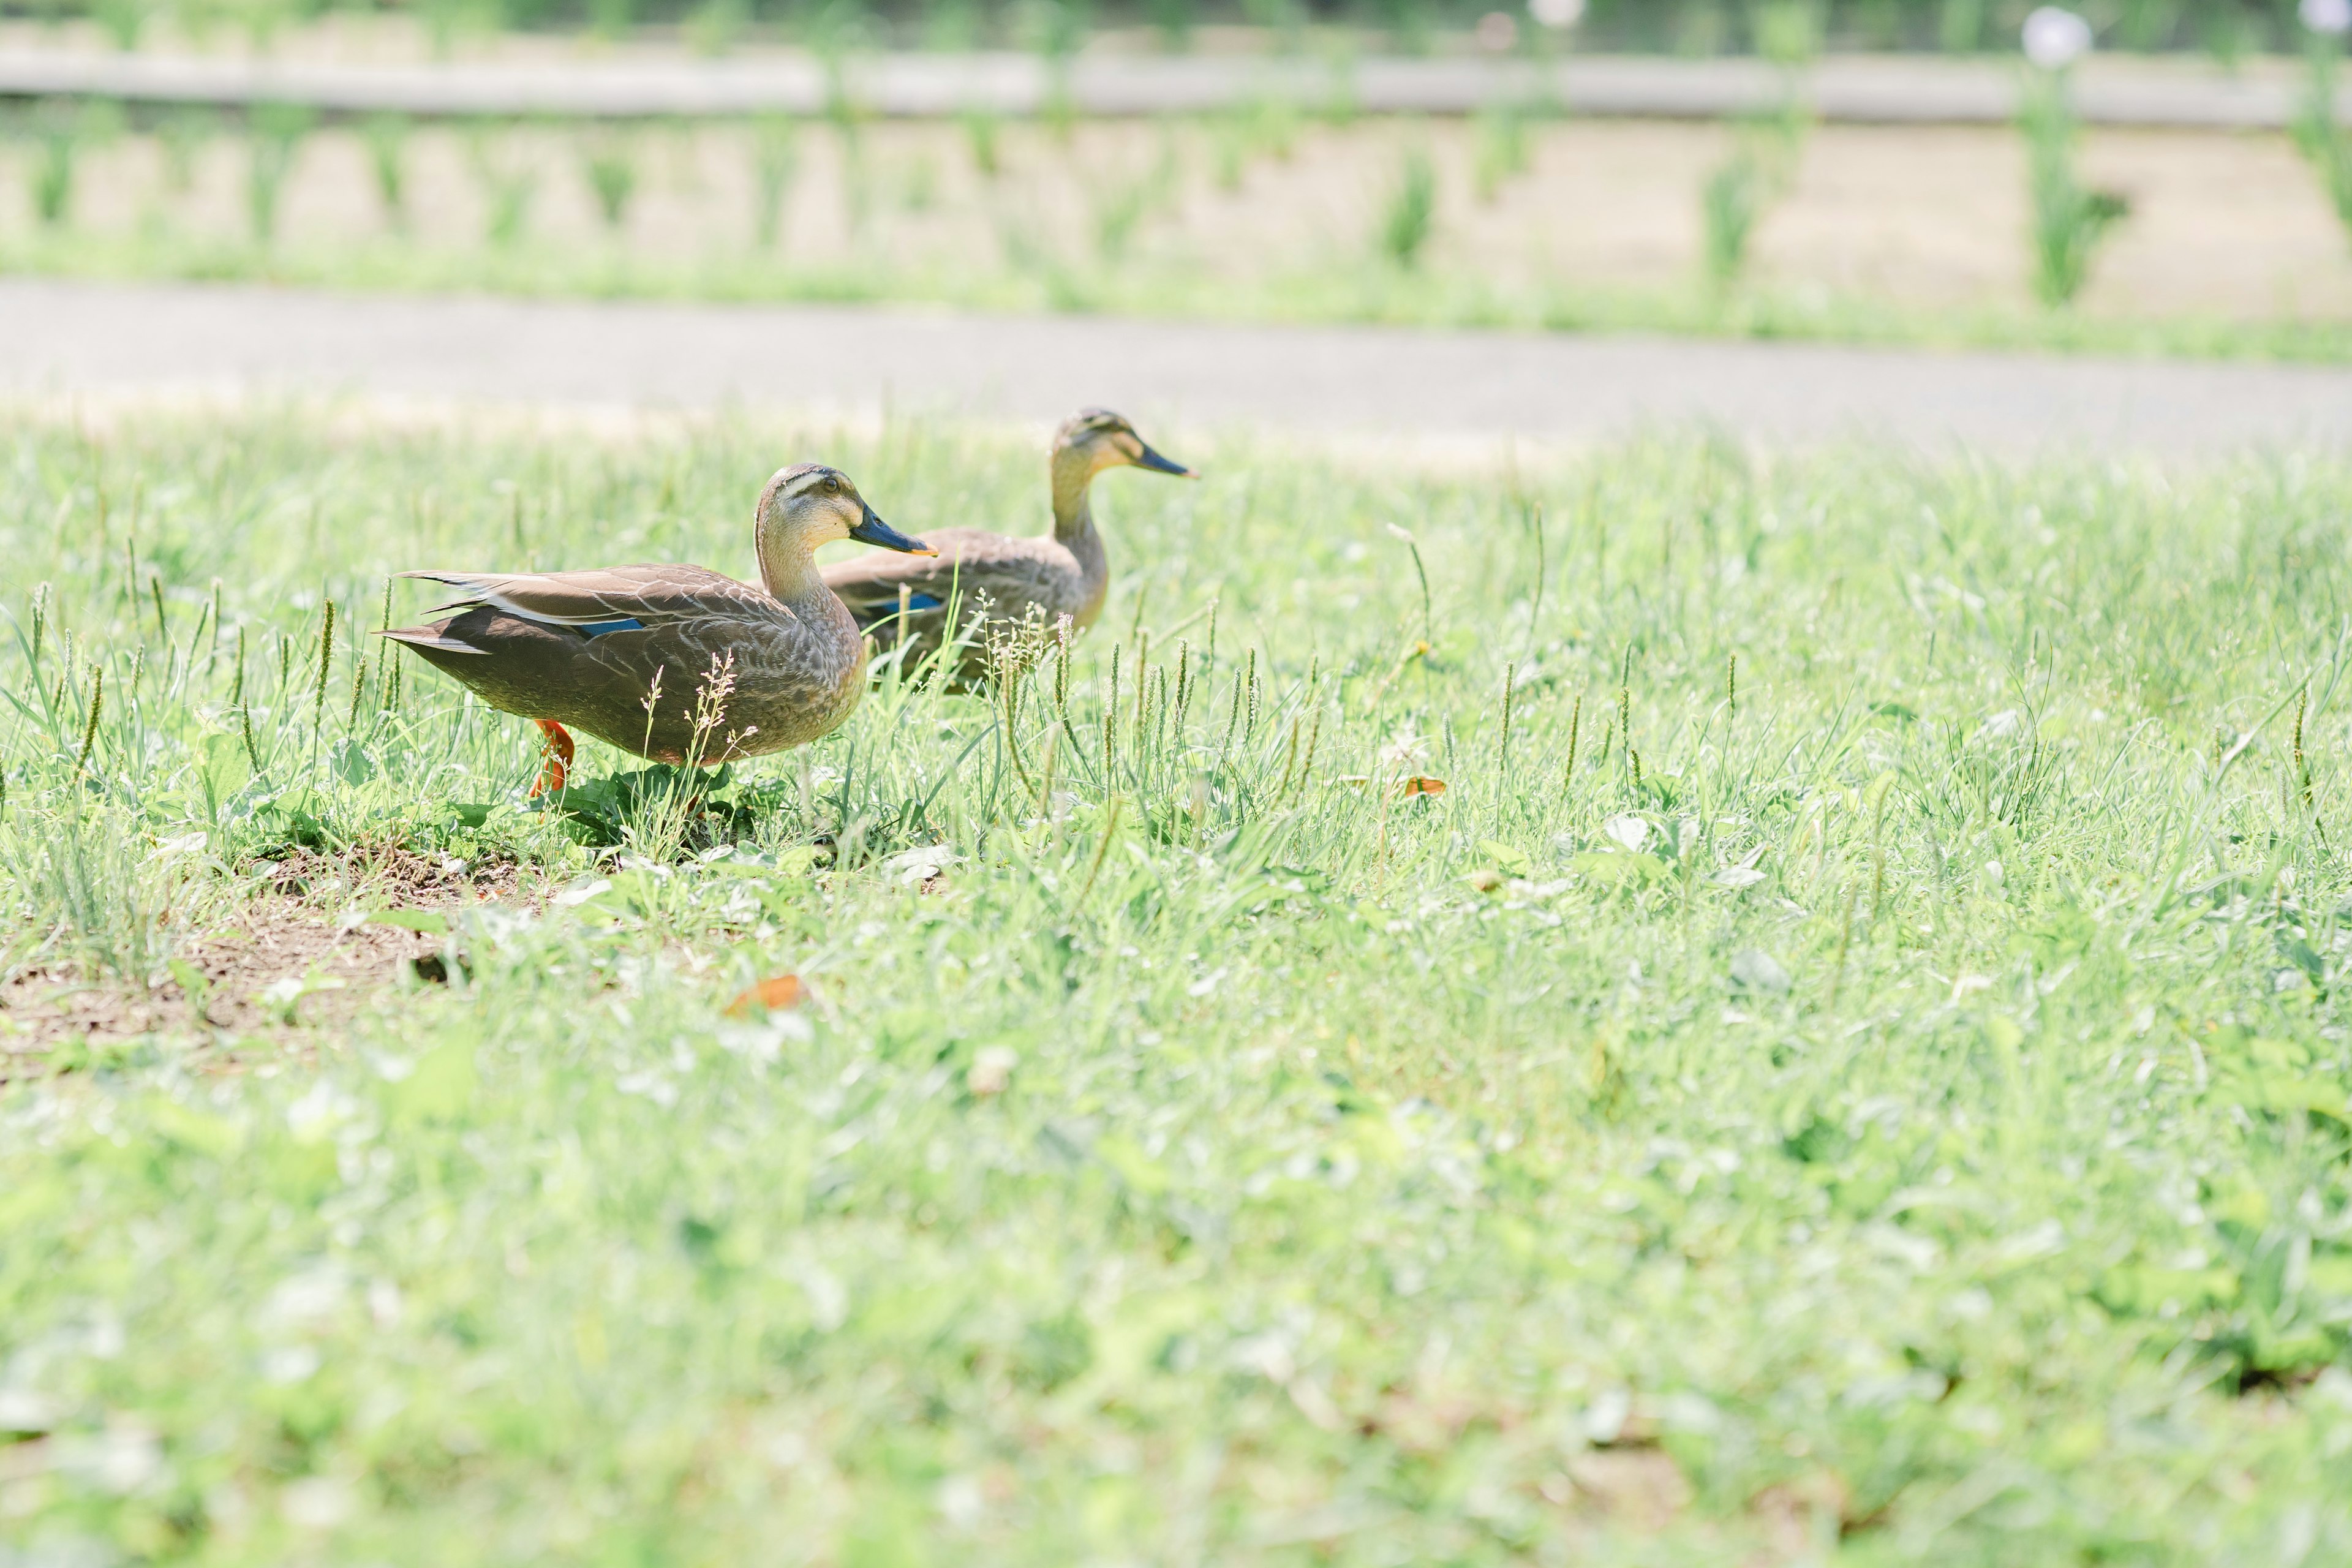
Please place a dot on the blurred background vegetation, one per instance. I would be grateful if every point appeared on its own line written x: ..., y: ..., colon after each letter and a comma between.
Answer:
x: 2226, y: 29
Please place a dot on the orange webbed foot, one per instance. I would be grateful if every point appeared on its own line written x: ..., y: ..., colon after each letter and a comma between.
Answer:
x: 555, y: 768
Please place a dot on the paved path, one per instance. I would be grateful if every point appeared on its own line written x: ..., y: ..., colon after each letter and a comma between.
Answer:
x: 1895, y: 89
x: 1386, y: 384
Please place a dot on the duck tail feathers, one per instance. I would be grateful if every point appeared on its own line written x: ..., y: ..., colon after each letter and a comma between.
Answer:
x: 429, y: 636
x: 475, y: 586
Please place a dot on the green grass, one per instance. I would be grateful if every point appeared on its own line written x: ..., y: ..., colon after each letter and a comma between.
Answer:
x: 1346, y: 288
x: 1897, y: 1105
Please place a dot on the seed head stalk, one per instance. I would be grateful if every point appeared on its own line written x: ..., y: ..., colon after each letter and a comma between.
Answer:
x: 1008, y: 688
x: 1110, y: 718
x: 326, y: 653
x: 1062, y: 667
x: 1503, y: 748
x: 1249, y: 680
x: 1877, y: 859
x: 1183, y: 686
x: 359, y: 687
x: 89, y: 730
x: 2302, y: 768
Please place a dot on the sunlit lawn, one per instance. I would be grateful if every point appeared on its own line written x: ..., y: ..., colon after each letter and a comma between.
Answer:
x: 1850, y: 1070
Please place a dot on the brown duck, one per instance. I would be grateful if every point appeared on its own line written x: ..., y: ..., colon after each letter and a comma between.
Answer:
x: 673, y: 663
x: 1000, y: 582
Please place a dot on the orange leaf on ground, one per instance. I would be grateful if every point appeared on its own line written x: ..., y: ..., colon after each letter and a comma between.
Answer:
x: 1420, y: 785
x: 777, y: 991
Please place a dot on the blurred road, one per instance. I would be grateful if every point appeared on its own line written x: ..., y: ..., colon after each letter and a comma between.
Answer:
x: 1446, y: 388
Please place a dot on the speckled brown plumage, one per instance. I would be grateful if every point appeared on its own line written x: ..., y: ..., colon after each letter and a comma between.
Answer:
x: 998, y: 580
x: 673, y: 662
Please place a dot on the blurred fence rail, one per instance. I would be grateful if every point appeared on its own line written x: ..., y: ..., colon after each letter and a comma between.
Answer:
x: 1858, y: 89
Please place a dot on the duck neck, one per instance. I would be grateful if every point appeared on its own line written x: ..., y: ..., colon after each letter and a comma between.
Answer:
x: 1074, y: 518
x: 789, y: 573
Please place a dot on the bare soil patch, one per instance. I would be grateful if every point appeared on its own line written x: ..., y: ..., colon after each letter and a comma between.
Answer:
x: 302, y: 956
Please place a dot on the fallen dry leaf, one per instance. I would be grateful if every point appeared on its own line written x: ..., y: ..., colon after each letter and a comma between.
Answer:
x: 1407, y: 787
x: 774, y: 992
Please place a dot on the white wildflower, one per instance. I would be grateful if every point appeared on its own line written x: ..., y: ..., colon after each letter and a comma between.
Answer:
x: 2055, y: 38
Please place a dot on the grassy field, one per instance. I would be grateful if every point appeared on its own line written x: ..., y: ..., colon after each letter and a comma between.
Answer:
x: 1848, y: 1067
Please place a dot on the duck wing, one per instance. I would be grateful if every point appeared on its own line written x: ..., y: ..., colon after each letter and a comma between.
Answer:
x: 608, y: 599
x: 591, y: 649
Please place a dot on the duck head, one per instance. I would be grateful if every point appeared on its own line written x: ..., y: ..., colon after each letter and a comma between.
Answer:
x: 810, y: 504
x: 1094, y: 439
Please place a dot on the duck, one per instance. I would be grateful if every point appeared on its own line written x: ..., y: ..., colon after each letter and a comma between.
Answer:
x: 673, y: 663
x: 1003, y: 582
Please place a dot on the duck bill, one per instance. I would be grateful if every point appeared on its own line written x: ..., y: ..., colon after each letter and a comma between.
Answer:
x: 1160, y: 465
x: 872, y: 529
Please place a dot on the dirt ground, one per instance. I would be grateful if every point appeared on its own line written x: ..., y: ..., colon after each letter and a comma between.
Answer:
x: 2228, y: 226
x: 291, y: 960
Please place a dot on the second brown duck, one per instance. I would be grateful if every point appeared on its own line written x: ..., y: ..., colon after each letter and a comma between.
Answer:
x: 997, y: 582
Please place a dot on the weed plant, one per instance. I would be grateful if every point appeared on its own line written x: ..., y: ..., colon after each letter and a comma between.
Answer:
x: 180, y: 138
x: 274, y: 141
x: 1265, y: 126
x: 1850, y: 1062
x: 2318, y: 134
x: 1502, y: 148
x: 1121, y: 202
x: 1762, y: 166
x: 775, y: 160
x: 57, y: 142
x: 1410, y: 216
x: 61, y: 129
x: 2069, y: 218
x: 717, y: 26
x: 123, y: 21
x: 509, y: 180
x: 387, y: 136
x: 1175, y: 19
x: 951, y: 25
x: 608, y: 160
x: 983, y: 132
x: 1960, y: 25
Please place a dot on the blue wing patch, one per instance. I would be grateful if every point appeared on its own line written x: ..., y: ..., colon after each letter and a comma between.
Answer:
x: 923, y: 602
x: 598, y: 628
